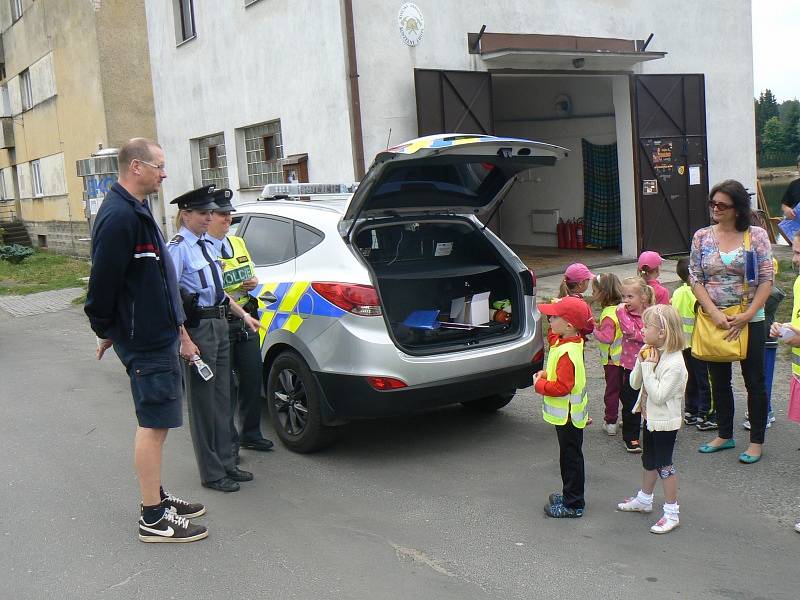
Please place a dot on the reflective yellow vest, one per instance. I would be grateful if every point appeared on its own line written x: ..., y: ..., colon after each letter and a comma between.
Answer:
x: 556, y: 409
x: 236, y: 269
x: 796, y: 323
x: 611, y: 353
x: 684, y: 301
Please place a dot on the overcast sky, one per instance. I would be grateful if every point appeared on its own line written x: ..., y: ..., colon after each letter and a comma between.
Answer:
x: 776, y: 48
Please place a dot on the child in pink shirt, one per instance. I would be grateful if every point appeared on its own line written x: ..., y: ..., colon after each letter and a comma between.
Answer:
x: 637, y: 295
x: 649, y: 270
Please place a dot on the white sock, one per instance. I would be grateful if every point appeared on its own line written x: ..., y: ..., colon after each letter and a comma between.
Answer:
x: 671, y: 511
x: 646, y: 499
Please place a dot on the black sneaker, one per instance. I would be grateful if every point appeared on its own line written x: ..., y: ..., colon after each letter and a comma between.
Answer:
x: 559, y: 511
x: 691, y: 419
x: 633, y: 446
x: 182, y: 507
x: 707, y: 425
x: 171, y: 528
x: 556, y: 498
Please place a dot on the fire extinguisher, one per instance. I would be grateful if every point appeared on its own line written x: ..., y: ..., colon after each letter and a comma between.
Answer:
x: 579, y: 233
x: 573, y: 234
x: 561, y: 230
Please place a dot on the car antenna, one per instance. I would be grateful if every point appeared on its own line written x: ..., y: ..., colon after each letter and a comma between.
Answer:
x: 388, y: 138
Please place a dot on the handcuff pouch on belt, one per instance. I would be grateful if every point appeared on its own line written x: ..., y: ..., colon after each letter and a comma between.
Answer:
x: 191, y: 303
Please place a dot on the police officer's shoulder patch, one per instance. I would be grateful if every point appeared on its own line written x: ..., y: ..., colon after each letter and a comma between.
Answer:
x: 177, y: 239
x: 241, y: 259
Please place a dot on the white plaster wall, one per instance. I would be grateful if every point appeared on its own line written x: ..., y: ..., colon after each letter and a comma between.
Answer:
x: 52, y: 172
x: 43, y: 81
x: 24, y: 180
x: 712, y: 37
x: 272, y: 60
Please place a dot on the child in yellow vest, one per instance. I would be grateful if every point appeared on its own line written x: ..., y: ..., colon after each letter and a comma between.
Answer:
x: 660, y: 375
x: 698, y: 409
x: 565, y: 403
x: 607, y: 293
x: 790, y: 334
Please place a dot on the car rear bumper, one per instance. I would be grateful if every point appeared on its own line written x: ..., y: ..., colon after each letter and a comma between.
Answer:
x: 351, y: 397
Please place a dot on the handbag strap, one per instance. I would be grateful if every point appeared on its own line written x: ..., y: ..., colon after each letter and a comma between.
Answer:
x: 745, y: 285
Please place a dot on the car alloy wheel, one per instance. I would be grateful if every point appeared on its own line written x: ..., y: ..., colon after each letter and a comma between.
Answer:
x: 290, y: 402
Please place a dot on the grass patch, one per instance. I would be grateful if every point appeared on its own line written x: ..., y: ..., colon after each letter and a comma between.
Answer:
x: 42, y: 272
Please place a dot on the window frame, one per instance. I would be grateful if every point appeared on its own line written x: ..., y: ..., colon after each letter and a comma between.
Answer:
x: 254, y: 174
x: 26, y: 89
x: 37, y: 187
x: 199, y: 145
x: 16, y: 10
x: 181, y: 14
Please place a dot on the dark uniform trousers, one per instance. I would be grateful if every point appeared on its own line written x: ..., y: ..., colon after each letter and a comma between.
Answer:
x: 245, y: 387
x: 209, y: 401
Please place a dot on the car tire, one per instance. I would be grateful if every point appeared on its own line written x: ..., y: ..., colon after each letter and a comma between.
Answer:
x: 489, y: 403
x: 293, y: 399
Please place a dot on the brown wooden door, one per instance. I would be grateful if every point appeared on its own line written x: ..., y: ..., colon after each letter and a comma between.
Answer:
x: 453, y: 102
x: 672, y: 164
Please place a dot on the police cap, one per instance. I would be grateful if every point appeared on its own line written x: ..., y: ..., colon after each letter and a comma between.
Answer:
x: 200, y: 199
x: 222, y: 198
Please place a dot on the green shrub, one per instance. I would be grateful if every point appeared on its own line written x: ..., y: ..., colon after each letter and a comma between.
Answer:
x: 15, y: 253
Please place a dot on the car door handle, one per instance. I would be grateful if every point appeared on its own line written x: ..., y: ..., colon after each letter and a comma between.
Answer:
x: 268, y: 297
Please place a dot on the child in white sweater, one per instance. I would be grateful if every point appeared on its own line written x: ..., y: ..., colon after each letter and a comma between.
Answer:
x: 660, y: 375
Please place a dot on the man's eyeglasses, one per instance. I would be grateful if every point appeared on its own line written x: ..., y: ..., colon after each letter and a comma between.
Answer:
x: 720, y: 206
x: 149, y: 164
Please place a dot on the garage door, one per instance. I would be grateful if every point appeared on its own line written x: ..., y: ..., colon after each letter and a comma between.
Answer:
x: 453, y: 102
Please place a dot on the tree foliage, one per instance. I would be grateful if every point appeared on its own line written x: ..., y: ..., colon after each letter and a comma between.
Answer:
x: 777, y: 127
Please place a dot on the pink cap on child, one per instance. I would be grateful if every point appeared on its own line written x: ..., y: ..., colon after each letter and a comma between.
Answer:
x: 650, y: 259
x: 577, y: 272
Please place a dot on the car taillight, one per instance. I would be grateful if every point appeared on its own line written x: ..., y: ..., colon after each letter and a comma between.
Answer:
x: 354, y: 298
x: 533, y: 278
x: 538, y: 357
x: 386, y: 383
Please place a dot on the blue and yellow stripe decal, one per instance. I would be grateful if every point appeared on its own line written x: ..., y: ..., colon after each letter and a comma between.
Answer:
x: 295, y: 302
x: 445, y: 141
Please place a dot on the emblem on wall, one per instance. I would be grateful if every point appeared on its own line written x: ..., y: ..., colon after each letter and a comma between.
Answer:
x: 411, y: 22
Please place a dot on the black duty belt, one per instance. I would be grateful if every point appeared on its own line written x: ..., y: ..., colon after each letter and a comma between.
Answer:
x: 212, y: 312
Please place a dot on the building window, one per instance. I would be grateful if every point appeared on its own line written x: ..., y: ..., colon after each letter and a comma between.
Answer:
x: 213, y: 162
x: 185, y: 15
x: 3, y: 186
x: 25, y: 89
x: 36, y: 176
x: 16, y: 9
x: 263, y: 149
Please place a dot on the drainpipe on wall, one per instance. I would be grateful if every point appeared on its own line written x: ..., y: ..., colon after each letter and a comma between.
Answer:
x: 354, y: 100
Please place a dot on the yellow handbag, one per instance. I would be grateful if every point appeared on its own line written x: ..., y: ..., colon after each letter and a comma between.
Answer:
x: 708, y: 340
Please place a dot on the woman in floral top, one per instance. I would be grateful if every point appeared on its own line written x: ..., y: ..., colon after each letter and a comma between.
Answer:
x: 716, y: 266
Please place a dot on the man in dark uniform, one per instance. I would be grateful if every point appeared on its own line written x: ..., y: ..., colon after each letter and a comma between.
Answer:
x: 207, y: 306
x: 238, y: 278
x: 791, y: 197
x: 133, y: 304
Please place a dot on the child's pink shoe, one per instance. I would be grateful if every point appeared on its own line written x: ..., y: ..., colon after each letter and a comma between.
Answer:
x: 665, y: 525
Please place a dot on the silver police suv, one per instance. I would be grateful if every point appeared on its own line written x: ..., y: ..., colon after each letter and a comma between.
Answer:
x: 379, y: 302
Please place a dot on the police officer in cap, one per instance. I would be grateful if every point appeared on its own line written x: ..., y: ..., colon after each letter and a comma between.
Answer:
x: 207, y: 306
x: 238, y: 278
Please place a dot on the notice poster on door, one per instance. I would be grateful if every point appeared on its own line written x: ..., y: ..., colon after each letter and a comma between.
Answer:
x: 694, y: 174
x: 650, y: 187
x: 661, y: 157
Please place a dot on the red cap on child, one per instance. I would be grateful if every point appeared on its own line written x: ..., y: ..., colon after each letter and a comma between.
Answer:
x: 573, y: 310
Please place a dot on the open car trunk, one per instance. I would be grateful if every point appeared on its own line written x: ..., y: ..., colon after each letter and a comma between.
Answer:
x: 424, y: 265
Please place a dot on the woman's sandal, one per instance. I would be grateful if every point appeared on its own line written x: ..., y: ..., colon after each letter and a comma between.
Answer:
x: 708, y: 448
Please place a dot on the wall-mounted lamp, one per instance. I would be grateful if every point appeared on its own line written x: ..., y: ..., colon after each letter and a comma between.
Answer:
x: 578, y: 63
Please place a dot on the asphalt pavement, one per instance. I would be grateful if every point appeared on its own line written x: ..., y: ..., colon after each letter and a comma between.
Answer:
x: 440, y: 505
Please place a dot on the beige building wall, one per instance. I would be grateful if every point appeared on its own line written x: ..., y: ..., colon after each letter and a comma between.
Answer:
x: 89, y: 65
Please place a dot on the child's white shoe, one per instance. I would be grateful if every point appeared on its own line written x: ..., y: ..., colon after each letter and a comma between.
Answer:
x: 635, y: 505
x: 665, y: 525
x: 610, y: 428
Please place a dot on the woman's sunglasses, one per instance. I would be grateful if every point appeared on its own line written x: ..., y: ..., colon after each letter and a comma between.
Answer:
x: 720, y: 206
